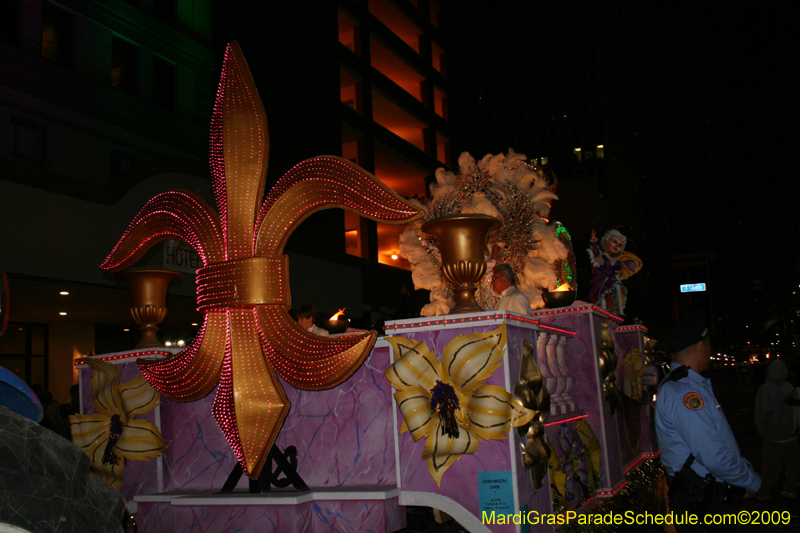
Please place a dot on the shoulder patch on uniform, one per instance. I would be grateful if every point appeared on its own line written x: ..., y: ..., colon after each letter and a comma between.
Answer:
x: 693, y: 401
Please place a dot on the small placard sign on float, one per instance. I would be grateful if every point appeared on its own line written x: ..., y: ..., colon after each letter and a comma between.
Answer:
x: 495, y: 492
x: 693, y: 287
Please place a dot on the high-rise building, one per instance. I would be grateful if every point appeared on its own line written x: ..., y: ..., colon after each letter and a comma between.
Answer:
x: 364, y: 80
x: 103, y: 104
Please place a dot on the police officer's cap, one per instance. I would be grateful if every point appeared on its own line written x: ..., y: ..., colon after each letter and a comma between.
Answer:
x: 688, y: 332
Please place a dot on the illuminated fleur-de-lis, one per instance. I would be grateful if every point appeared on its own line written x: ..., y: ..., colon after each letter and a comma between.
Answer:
x: 243, y: 285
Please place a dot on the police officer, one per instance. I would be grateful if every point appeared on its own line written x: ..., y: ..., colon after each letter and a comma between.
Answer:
x: 705, y: 471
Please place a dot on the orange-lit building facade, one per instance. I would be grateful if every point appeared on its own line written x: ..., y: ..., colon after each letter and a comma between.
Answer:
x: 393, y: 90
x: 366, y: 80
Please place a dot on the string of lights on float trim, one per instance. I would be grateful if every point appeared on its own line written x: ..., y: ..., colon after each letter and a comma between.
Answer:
x: 630, y: 328
x: 557, y: 422
x: 145, y: 353
x: 610, y: 493
x: 439, y: 322
x: 572, y: 309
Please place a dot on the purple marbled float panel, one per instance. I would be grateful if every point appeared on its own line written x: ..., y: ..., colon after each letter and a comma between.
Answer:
x: 538, y: 500
x: 460, y: 482
x: 629, y: 340
x: 343, y: 436
x: 155, y: 517
x: 582, y: 364
x: 633, y: 429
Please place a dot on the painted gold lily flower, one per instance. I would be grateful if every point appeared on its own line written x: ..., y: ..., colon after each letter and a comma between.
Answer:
x: 116, y: 435
x: 448, y: 402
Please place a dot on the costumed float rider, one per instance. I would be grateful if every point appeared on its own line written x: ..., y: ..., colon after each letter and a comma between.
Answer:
x: 306, y: 316
x: 706, y: 474
x: 610, y: 265
x: 512, y: 299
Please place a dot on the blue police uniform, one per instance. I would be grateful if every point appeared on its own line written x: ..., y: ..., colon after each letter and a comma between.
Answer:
x: 689, y: 420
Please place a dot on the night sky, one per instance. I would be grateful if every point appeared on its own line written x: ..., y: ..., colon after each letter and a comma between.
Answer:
x: 713, y: 100
x: 718, y: 113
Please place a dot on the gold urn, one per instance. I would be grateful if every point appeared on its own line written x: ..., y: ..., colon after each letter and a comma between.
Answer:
x: 462, y: 243
x: 148, y: 289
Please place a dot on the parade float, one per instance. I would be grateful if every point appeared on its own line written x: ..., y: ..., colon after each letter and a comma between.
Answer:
x: 259, y: 425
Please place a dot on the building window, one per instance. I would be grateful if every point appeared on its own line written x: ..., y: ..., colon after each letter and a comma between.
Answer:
x: 440, y: 103
x: 355, y: 227
x: 442, y: 149
x: 436, y: 8
x: 23, y: 351
x: 350, y: 89
x: 407, y: 180
x: 56, y: 34
x: 601, y: 151
x: 355, y: 235
x: 353, y: 146
x: 123, y: 65
x: 397, y: 120
x: 163, y: 83
x: 437, y: 57
x: 394, y: 68
x: 396, y: 20
x: 349, y: 33
x: 28, y: 142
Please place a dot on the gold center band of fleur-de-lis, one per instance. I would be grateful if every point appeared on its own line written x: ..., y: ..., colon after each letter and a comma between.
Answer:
x: 251, y: 281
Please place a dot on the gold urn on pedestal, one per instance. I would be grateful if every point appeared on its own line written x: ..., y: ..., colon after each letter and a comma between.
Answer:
x: 462, y: 243
x: 148, y: 288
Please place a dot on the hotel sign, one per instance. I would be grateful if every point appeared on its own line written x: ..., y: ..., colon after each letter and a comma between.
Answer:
x: 180, y: 256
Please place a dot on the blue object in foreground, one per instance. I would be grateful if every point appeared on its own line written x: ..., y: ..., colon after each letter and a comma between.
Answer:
x: 16, y: 395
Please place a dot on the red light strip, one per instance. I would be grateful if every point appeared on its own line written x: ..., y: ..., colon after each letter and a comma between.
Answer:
x: 82, y: 361
x: 605, y: 494
x: 573, y: 309
x: 496, y: 316
x: 523, y: 319
x: 641, y: 459
x: 551, y: 328
x: 630, y: 328
x: 448, y: 321
x: 566, y: 420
